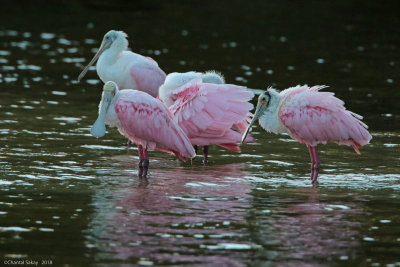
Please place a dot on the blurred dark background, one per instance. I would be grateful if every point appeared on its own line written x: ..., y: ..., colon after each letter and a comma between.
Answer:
x: 352, y: 46
x: 67, y: 196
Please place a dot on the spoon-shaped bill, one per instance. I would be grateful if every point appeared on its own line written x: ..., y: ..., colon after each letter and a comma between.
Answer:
x: 99, y: 127
x: 96, y: 56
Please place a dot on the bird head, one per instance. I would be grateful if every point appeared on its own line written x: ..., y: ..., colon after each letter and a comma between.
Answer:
x: 213, y: 77
x: 110, y: 87
x: 111, y: 38
x: 262, y: 105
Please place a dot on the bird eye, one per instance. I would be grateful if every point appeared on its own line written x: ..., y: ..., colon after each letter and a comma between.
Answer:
x: 107, y: 37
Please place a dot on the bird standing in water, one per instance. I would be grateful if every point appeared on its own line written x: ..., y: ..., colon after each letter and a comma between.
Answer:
x: 207, y: 109
x: 126, y: 68
x: 142, y: 119
x: 311, y: 117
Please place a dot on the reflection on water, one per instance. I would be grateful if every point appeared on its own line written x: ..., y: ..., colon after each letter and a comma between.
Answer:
x: 315, y: 230
x: 69, y: 197
x: 199, y: 209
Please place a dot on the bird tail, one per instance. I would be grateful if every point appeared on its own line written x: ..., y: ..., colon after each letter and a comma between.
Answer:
x: 232, y: 147
x: 176, y: 153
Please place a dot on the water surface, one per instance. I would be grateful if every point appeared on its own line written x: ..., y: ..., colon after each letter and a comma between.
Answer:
x: 76, y: 200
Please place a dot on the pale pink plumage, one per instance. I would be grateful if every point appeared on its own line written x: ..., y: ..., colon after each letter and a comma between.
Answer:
x: 311, y: 117
x: 127, y: 69
x: 131, y: 71
x: 314, y: 117
x: 212, y: 113
x: 147, y: 122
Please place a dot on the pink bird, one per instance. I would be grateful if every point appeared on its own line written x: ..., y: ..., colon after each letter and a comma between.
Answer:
x: 207, y: 110
x: 311, y: 117
x: 127, y: 69
x: 142, y: 119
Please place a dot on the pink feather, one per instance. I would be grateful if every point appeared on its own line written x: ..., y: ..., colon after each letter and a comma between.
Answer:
x: 148, y: 77
x: 314, y: 117
x: 147, y: 122
x: 212, y: 113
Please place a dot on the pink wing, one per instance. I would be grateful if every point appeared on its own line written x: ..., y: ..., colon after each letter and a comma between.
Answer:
x: 146, y: 121
x: 314, y: 117
x: 148, y: 77
x: 208, y: 112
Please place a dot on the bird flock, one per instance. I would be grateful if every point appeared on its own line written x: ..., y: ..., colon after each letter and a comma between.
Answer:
x: 180, y: 112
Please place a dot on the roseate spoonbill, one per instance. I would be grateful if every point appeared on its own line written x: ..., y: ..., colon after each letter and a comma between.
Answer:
x: 126, y: 68
x: 311, y: 117
x: 142, y: 119
x: 209, y: 111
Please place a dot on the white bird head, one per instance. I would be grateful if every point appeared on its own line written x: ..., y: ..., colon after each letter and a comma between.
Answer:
x: 110, y: 87
x: 98, y: 129
x: 175, y: 80
x: 213, y: 77
x: 113, y: 39
x: 263, y: 103
x: 172, y: 82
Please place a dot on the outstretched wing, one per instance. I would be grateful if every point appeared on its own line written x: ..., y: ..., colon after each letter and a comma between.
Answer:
x: 314, y: 117
x: 146, y: 121
x: 208, y: 112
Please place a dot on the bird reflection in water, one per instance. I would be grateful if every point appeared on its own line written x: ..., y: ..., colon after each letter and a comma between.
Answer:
x: 317, y: 228
x: 176, y: 216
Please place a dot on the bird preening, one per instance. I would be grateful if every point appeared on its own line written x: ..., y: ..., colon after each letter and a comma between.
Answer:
x: 311, y: 117
x: 208, y: 110
x: 199, y: 109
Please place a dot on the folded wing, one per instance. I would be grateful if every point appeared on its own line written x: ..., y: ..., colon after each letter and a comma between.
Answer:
x: 314, y: 117
x: 212, y: 113
x: 146, y: 121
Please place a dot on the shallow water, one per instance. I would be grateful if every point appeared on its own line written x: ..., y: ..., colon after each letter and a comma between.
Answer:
x: 68, y: 197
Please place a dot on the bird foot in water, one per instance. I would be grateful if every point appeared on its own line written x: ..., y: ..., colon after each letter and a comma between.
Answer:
x: 205, y: 155
x: 129, y: 143
x: 314, y: 172
x: 145, y: 165
x: 140, y: 173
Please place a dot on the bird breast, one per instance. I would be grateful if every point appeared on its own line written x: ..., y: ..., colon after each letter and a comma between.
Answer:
x: 271, y: 122
x: 111, y: 117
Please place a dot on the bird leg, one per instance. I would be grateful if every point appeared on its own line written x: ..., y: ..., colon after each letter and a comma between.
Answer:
x: 129, y: 143
x: 205, y: 154
x: 146, y: 162
x: 195, y: 150
x: 141, y: 159
x: 315, y: 163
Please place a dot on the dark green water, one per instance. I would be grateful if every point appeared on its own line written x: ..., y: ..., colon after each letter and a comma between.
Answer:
x: 68, y: 197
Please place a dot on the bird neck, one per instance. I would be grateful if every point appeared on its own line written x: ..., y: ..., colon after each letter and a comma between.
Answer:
x: 174, y: 81
x: 275, y: 101
x: 165, y: 94
x: 270, y: 119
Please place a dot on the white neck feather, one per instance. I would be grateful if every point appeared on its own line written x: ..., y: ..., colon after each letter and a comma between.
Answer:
x: 270, y: 119
x: 172, y: 82
x: 175, y: 80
